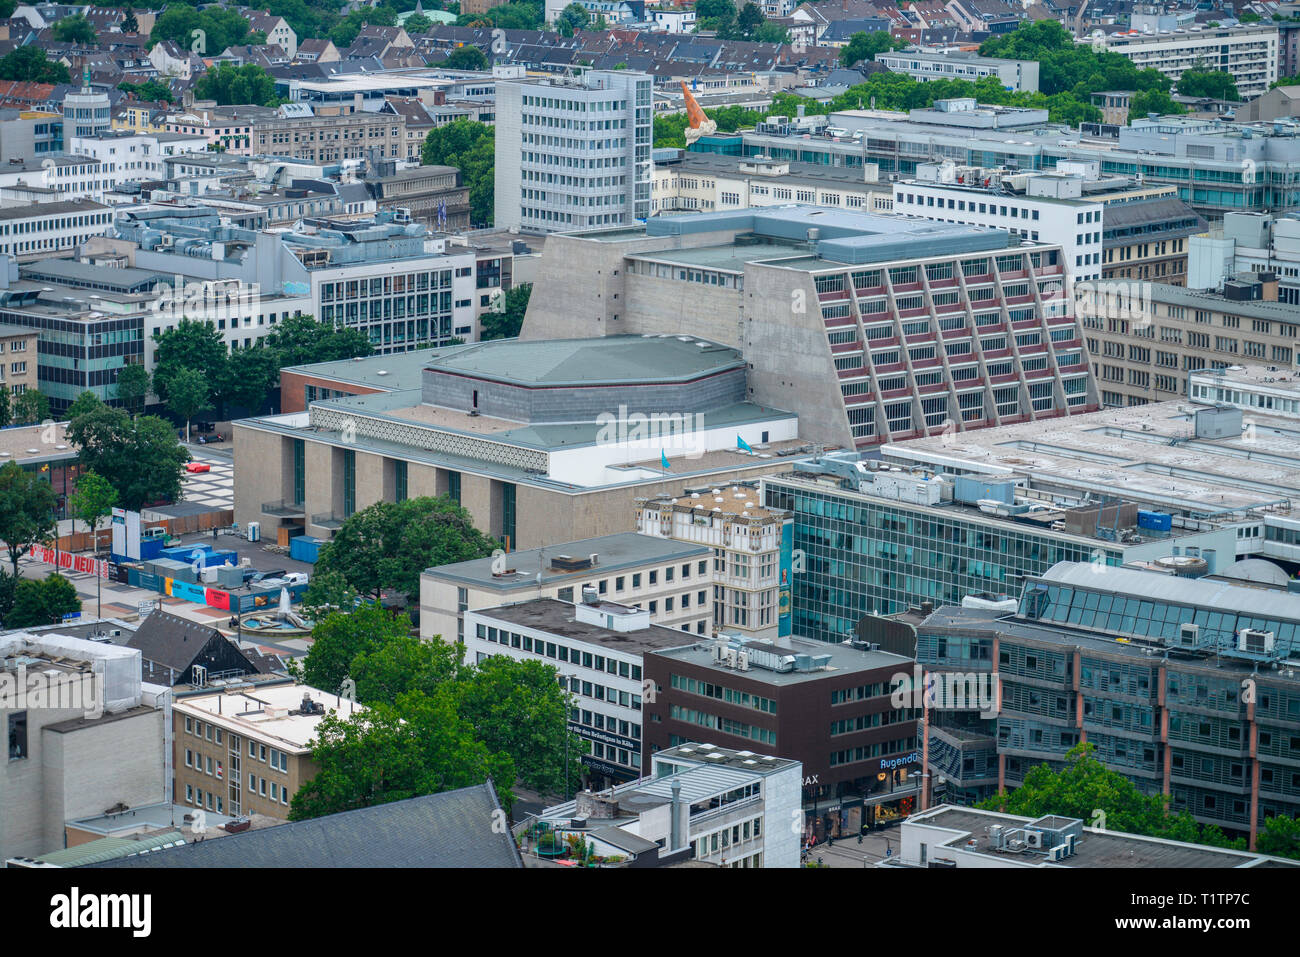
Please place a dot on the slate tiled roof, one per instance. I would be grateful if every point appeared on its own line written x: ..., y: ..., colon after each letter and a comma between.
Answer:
x: 452, y: 829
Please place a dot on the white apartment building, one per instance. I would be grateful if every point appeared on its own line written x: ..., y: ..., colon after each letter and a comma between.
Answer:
x: 136, y: 157
x: 745, y: 538
x: 96, y: 739
x: 667, y: 578
x: 711, y: 804
x: 29, y: 233
x: 1043, y: 207
x: 1248, y: 243
x: 598, y: 648
x: 51, y: 179
x: 704, y: 182
x: 574, y: 153
x: 1019, y: 75
x: 1247, y: 51
x: 671, y: 19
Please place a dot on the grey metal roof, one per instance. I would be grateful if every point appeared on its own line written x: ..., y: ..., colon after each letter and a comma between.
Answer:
x: 604, y: 360
x: 451, y: 829
x: 615, y: 554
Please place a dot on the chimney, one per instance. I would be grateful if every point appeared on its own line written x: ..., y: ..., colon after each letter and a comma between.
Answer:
x: 358, y: 103
x: 675, y: 835
x: 1268, y: 286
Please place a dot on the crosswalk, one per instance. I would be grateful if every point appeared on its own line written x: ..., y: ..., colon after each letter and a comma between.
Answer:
x: 215, y: 488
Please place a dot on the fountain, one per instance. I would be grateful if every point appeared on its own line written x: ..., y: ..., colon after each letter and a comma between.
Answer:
x: 282, y: 622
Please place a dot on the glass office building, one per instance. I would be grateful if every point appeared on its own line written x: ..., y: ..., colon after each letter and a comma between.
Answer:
x: 1183, y: 685
x: 863, y: 555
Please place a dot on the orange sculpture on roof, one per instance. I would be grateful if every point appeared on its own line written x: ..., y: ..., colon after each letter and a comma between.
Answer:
x: 699, y: 125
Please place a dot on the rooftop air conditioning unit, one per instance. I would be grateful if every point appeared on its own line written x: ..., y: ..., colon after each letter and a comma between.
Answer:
x: 1255, y: 642
x: 1034, y: 838
x: 1189, y: 633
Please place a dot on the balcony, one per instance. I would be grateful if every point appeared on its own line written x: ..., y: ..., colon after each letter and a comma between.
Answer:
x: 327, y: 520
x: 284, y: 509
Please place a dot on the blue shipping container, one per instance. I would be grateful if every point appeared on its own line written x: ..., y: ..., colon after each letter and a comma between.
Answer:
x: 1155, y: 521
x: 304, y: 548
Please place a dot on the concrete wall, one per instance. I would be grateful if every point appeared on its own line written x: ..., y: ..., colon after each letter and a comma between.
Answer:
x: 76, y: 773
x: 565, y: 404
x: 785, y: 342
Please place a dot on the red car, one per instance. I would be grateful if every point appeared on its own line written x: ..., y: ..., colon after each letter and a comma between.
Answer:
x: 197, y: 467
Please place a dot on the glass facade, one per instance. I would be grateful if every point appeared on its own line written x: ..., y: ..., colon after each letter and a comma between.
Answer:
x: 864, y: 556
x: 349, y: 482
x: 400, y: 310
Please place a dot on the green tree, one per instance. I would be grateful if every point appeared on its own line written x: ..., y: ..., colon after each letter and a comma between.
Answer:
x: 383, y: 754
x: 417, y: 23
x: 1280, y: 836
x: 1085, y: 786
x: 749, y: 19
x: 571, y: 18
x: 42, y: 601
x: 1069, y: 67
x: 249, y: 376
x: 7, y: 8
x: 29, y: 64
x: 341, y: 637
x: 150, y: 91
x: 521, y: 709
x: 6, y: 409
x: 1153, y: 101
x: 133, y: 382
x: 302, y: 340
x: 26, y: 511
x: 206, y: 32
x: 1209, y: 83
x: 471, y: 148
x: 130, y: 24
x: 86, y: 402
x: 31, y: 406
x: 140, y: 457
x: 188, y: 395
x: 328, y: 591
x: 404, y: 664
x: 190, y: 344
x: 466, y: 58
x: 75, y: 29
x: 236, y: 85
x: 866, y: 46
x: 1248, y: 17
x: 388, y: 544
x: 507, y: 16
x: 507, y: 323
x: 93, y: 501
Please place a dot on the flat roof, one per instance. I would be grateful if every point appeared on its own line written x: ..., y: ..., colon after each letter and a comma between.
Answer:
x: 1096, y: 848
x: 263, y: 712
x: 45, y: 210
x: 1203, y: 299
x: 391, y: 373
x: 617, y: 553
x: 600, y: 360
x: 560, y: 618
x: 1144, y: 453
x: 844, y: 660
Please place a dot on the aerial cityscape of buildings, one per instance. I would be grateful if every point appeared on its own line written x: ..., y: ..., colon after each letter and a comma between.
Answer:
x: 536, y: 434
